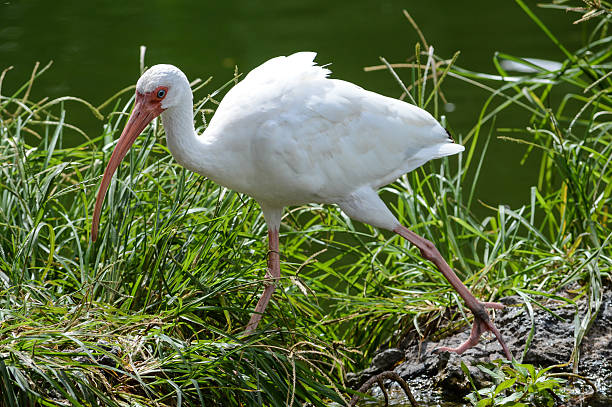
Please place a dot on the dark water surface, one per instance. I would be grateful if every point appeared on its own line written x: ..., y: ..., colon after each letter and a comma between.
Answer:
x: 95, y: 47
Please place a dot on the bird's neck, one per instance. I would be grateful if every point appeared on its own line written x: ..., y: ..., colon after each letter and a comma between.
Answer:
x: 193, y: 152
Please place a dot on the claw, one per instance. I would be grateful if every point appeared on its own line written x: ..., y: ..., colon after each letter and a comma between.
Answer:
x: 481, y: 324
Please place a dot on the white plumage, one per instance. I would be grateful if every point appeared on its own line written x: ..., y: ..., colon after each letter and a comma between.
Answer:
x: 289, y: 135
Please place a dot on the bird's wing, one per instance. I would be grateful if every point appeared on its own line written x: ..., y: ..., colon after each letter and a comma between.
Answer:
x: 316, y: 139
x: 262, y: 87
x: 296, y: 67
x: 332, y: 137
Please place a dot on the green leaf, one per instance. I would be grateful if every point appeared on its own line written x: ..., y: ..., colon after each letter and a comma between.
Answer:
x: 511, y: 398
x: 504, y: 385
x: 484, y: 403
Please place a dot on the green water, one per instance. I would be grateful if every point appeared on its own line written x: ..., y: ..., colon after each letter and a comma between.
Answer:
x: 95, y: 46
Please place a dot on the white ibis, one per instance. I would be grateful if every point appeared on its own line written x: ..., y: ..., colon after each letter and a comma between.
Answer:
x: 289, y: 135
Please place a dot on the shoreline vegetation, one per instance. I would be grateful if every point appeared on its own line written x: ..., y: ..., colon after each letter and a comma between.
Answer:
x: 152, y: 314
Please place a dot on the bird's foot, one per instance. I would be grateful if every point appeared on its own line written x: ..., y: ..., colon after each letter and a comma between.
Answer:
x: 482, y: 323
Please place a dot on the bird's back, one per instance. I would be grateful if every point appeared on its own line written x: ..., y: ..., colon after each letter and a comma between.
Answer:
x: 307, y: 138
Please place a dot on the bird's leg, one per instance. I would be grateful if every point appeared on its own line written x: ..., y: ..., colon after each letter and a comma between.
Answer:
x: 272, y: 274
x: 479, y: 309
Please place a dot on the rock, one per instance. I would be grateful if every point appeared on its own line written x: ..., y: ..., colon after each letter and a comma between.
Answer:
x: 355, y: 380
x: 453, y: 381
x: 387, y: 358
x: 382, y: 360
x: 552, y: 344
x: 419, y: 363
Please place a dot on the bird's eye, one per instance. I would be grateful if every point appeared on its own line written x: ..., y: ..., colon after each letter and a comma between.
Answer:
x: 161, y: 93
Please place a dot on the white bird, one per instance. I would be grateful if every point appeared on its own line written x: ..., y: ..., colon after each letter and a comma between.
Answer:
x: 289, y: 135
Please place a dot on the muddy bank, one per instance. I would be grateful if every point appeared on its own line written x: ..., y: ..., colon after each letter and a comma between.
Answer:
x: 438, y: 378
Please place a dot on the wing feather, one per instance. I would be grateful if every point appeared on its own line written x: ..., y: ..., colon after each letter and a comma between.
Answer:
x: 320, y: 139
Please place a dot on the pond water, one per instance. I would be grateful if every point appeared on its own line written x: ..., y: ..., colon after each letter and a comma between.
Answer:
x: 95, y: 47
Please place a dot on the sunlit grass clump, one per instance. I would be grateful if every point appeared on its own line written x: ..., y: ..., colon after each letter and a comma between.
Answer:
x: 153, y: 312
x: 150, y: 314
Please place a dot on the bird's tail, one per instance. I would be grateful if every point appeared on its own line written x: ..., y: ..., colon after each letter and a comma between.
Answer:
x: 448, y: 149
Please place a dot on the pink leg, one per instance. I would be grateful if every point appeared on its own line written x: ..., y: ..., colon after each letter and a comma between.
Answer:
x: 481, y: 317
x: 272, y: 275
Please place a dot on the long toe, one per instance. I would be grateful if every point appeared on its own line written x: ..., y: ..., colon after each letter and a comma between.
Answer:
x: 481, y: 324
x: 495, y: 305
x: 471, y: 341
x: 490, y: 326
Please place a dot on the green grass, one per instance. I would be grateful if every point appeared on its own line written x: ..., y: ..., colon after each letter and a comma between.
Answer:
x: 152, y: 313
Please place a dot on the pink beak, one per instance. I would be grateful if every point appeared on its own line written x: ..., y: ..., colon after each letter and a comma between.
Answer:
x: 146, y: 108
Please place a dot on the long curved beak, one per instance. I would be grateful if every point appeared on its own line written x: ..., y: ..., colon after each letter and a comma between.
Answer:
x: 145, y: 110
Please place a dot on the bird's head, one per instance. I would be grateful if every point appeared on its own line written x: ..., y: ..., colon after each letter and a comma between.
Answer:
x: 163, y: 86
x: 160, y: 88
